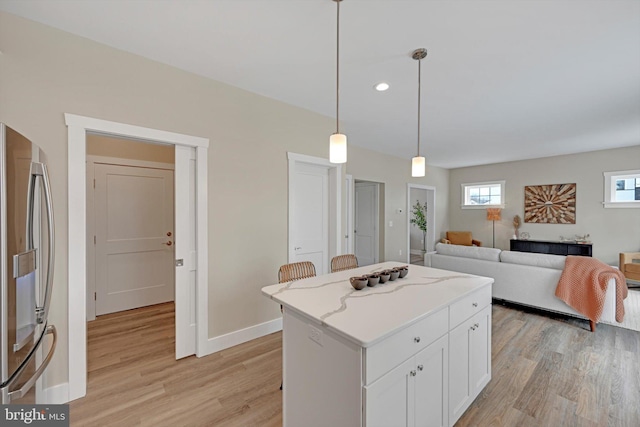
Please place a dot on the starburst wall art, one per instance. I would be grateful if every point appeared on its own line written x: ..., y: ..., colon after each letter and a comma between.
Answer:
x: 550, y: 204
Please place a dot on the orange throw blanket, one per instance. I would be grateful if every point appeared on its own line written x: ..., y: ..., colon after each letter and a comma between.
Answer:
x: 583, y: 285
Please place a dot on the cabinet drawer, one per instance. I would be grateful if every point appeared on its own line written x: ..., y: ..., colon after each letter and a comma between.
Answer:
x: 469, y: 305
x: 389, y: 353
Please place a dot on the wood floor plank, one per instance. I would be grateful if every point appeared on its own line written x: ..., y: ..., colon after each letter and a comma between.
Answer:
x: 548, y: 370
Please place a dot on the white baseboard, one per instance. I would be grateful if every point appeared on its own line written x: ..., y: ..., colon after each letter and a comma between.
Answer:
x: 55, y: 395
x: 231, y: 339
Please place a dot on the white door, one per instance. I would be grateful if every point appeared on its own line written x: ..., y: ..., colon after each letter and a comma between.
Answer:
x: 185, y: 247
x: 366, y: 223
x: 310, y: 216
x: 134, y: 237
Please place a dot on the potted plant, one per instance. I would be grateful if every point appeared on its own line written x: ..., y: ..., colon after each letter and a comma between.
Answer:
x: 419, y: 219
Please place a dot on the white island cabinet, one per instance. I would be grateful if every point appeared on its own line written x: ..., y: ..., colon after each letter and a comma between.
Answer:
x: 412, y: 352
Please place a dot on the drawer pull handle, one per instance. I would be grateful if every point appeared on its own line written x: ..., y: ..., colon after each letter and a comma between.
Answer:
x: 412, y: 373
x: 420, y: 367
x: 477, y: 325
x: 416, y: 339
x: 475, y: 304
x: 473, y: 328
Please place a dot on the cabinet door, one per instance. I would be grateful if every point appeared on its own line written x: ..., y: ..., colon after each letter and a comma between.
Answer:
x: 389, y: 400
x: 469, y: 362
x: 431, y: 385
x: 480, y: 351
x: 459, y: 389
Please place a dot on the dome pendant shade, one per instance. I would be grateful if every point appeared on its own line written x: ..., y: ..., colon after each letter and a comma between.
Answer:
x: 338, y: 148
x: 417, y: 166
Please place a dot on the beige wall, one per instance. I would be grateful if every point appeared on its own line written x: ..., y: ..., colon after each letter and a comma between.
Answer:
x: 395, y: 173
x: 105, y: 146
x: 45, y: 73
x: 612, y: 230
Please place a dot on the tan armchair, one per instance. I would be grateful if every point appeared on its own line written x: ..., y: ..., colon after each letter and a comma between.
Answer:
x: 461, y: 238
x: 630, y: 265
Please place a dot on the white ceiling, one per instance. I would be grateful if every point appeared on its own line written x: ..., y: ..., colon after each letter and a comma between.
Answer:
x: 503, y: 80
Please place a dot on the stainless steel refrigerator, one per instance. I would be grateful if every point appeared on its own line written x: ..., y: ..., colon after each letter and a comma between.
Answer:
x: 26, y: 260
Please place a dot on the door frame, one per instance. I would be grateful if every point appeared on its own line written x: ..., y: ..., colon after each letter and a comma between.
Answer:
x: 335, y: 202
x: 431, y: 217
x: 78, y: 126
x: 350, y: 188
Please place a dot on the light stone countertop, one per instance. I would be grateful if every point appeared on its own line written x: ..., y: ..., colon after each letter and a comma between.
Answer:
x: 367, y: 316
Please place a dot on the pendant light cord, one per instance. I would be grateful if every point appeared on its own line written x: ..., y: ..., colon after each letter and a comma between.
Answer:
x: 338, y: 68
x: 419, y: 74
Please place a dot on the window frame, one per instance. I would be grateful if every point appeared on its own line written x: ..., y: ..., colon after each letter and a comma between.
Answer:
x: 464, y: 190
x: 610, y: 179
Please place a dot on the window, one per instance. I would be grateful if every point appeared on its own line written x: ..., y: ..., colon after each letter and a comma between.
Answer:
x: 480, y: 195
x: 622, y: 189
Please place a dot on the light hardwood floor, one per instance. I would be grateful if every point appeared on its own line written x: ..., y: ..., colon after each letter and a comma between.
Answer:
x: 547, y: 371
x: 134, y: 378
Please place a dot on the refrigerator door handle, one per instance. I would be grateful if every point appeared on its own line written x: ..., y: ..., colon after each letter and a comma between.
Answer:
x: 40, y: 170
x: 17, y: 394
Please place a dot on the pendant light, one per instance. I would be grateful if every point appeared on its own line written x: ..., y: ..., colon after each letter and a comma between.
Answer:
x: 418, y: 162
x: 338, y: 141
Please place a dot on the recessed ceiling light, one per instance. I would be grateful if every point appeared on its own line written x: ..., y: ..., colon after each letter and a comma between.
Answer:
x: 381, y: 87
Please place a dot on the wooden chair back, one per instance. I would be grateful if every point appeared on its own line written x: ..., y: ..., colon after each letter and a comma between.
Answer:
x: 343, y: 262
x: 295, y: 271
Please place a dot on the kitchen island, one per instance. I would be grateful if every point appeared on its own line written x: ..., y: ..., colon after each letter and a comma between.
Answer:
x: 414, y: 351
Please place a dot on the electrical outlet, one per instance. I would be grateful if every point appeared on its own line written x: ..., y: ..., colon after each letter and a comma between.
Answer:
x: 315, y: 334
x: 400, y: 252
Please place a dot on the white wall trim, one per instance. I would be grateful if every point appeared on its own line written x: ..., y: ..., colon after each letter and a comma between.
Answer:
x: 350, y: 188
x: 78, y: 126
x: 55, y: 395
x: 99, y: 126
x: 202, y: 251
x: 234, y: 338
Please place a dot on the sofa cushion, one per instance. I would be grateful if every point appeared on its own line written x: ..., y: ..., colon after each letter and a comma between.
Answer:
x: 477, y: 252
x: 460, y: 238
x: 537, y: 260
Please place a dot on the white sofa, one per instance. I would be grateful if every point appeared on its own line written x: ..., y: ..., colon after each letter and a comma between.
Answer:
x: 521, y: 277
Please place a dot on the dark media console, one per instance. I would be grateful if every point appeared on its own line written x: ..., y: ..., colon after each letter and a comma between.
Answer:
x: 550, y: 247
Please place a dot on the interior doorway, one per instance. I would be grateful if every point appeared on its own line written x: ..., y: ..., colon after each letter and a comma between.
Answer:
x: 191, y: 297
x: 368, y: 223
x: 130, y: 224
x: 315, y: 215
x: 419, y: 242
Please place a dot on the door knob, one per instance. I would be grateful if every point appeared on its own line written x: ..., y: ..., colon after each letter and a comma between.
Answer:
x: 169, y: 243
